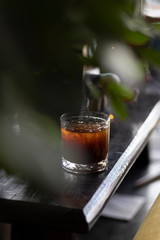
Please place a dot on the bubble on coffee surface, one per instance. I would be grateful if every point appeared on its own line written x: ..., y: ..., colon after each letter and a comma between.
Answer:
x: 87, y: 124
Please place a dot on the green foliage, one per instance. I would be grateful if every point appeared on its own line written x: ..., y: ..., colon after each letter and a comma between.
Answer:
x: 44, y: 40
x: 118, y: 94
x: 41, y: 67
x: 152, y: 56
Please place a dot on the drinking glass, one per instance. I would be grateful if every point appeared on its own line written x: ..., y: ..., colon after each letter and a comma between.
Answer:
x: 85, y: 141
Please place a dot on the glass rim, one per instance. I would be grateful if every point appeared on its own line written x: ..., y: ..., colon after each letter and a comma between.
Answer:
x: 82, y: 113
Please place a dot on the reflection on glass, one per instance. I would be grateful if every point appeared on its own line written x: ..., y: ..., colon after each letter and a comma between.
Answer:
x: 85, y: 141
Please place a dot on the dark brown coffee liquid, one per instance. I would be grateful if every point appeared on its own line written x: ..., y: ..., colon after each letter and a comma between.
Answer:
x: 85, y: 142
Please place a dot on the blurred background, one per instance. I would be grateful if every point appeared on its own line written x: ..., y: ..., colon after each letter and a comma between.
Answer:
x: 46, y: 47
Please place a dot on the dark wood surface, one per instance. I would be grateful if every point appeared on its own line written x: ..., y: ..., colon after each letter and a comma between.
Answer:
x: 113, y: 229
x: 77, y: 204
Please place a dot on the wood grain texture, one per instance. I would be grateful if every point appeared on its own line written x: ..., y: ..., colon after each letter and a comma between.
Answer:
x: 80, y: 198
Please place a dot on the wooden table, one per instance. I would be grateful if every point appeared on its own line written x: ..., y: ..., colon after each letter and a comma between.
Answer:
x: 77, y: 205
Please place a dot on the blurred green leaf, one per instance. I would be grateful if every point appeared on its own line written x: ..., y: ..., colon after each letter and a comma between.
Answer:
x: 156, y: 27
x: 41, y: 52
x: 48, y: 37
x: 136, y: 38
x: 118, y: 90
x: 137, y: 24
x: 95, y: 92
x: 150, y: 55
x: 118, y: 106
x: 119, y: 94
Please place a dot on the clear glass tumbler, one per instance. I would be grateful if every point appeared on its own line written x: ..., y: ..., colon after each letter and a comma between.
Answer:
x: 85, y: 141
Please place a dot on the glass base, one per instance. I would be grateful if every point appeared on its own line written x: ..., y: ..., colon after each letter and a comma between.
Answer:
x: 84, y: 168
